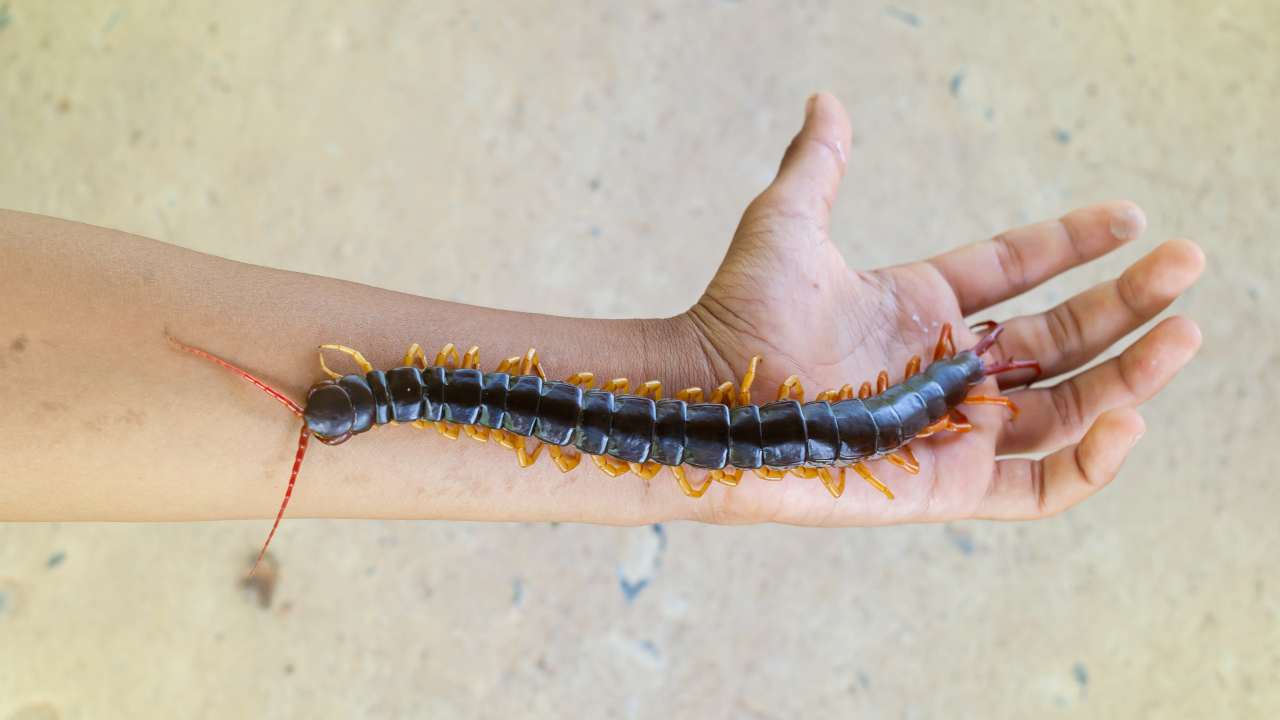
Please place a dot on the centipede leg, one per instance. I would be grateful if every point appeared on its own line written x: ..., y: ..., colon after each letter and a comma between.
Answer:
x: 724, y: 393
x: 690, y: 395
x: 882, y: 382
x: 833, y: 485
x: 689, y: 489
x: 748, y: 377
x: 997, y: 400
x: 523, y: 456
x: 650, y: 388
x: 769, y: 473
x: 958, y: 421
x: 646, y: 470
x: 904, y: 458
x: 946, y: 346
x: 866, y: 474
x: 611, y: 467
x: 730, y: 477
x: 789, y: 387
x: 564, y: 460
x: 913, y: 367
x: 364, y: 365
x: 303, y: 439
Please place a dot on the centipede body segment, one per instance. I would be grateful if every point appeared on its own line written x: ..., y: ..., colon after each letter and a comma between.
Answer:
x: 643, y: 432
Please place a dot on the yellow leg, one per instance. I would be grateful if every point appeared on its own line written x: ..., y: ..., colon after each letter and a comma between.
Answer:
x: 882, y: 382
x: 652, y: 387
x: 509, y: 365
x: 620, y: 386
x: 472, y: 358
x: 566, y: 461
x: 833, y: 486
x: 749, y: 377
x: 449, y: 430
x: 769, y: 473
x: 646, y: 471
x: 585, y: 380
x: 415, y: 353
x: 730, y: 477
x: 447, y: 357
x: 523, y: 456
x: 846, y: 393
x: 865, y: 472
x: 724, y: 393
x: 477, y: 432
x: 688, y: 488
x: 826, y: 396
x: 610, y: 467
x: 864, y: 392
x: 690, y: 395
x: 365, y: 366
x: 791, y: 386
x: 505, y: 438
x: 998, y: 400
x: 807, y: 473
x: 531, y: 364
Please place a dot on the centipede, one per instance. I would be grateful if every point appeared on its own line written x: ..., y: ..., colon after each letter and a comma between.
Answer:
x: 623, y: 431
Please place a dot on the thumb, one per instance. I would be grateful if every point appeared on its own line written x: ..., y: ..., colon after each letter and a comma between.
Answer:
x: 815, y: 161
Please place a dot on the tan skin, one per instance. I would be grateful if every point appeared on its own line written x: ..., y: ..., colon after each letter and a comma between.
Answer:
x: 135, y: 430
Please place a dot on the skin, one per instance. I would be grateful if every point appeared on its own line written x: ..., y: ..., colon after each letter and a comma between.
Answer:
x: 105, y: 420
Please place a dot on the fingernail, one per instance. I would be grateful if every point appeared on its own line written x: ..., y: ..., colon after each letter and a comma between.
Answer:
x: 808, y: 106
x: 1128, y: 223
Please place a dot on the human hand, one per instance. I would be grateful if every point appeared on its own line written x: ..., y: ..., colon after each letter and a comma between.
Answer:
x: 784, y: 292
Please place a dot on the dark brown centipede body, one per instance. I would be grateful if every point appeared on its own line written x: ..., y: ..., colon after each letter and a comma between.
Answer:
x: 635, y: 429
x: 641, y: 434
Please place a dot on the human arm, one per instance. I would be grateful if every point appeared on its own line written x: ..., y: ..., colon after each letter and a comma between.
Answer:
x: 106, y: 421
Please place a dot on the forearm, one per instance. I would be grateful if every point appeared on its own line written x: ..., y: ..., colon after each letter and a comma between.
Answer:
x: 104, y: 420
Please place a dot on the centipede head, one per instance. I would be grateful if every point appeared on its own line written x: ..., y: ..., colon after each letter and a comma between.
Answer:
x: 985, y: 344
x: 329, y: 414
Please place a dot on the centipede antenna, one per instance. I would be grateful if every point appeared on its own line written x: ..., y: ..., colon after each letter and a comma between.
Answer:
x: 1011, y: 365
x: 988, y: 340
x: 293, y: 406
x: 303, y: 438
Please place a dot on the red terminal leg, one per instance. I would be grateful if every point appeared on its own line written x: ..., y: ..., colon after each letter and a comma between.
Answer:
x: 303, y: 438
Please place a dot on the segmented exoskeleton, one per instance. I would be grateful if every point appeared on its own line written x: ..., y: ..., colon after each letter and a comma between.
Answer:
x: 642, y: 432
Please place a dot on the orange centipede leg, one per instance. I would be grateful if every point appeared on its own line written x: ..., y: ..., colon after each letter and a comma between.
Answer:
x: 566, y: 461
x: 865, y: 473
x: 833, y: 486
x: 882, y: 382
x: 946, y: 345
x: 689, y: 489
x: 864, y: 392
x: 789, y: 387
x: 958, y: 421
x: 749, y: 377
x: 997, y: 400
x: 913, y: 367
x: 769, y: 473
x: 609, y: 466
x: 904, y: 458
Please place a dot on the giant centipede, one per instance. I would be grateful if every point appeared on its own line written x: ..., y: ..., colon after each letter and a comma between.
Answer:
x: 642, y: 432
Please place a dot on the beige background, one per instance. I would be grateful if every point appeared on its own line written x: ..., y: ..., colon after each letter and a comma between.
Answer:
x: 592, y: 159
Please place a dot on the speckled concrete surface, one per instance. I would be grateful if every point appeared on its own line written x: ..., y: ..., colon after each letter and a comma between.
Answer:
x: 368, y: 141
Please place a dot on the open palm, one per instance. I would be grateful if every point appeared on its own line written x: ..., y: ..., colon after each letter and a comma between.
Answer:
x: 785, y: 293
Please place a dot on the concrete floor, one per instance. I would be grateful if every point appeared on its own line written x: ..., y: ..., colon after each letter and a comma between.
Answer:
x: 366, y: 141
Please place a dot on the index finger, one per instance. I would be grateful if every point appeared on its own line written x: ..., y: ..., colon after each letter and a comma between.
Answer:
x: 985, y: 273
